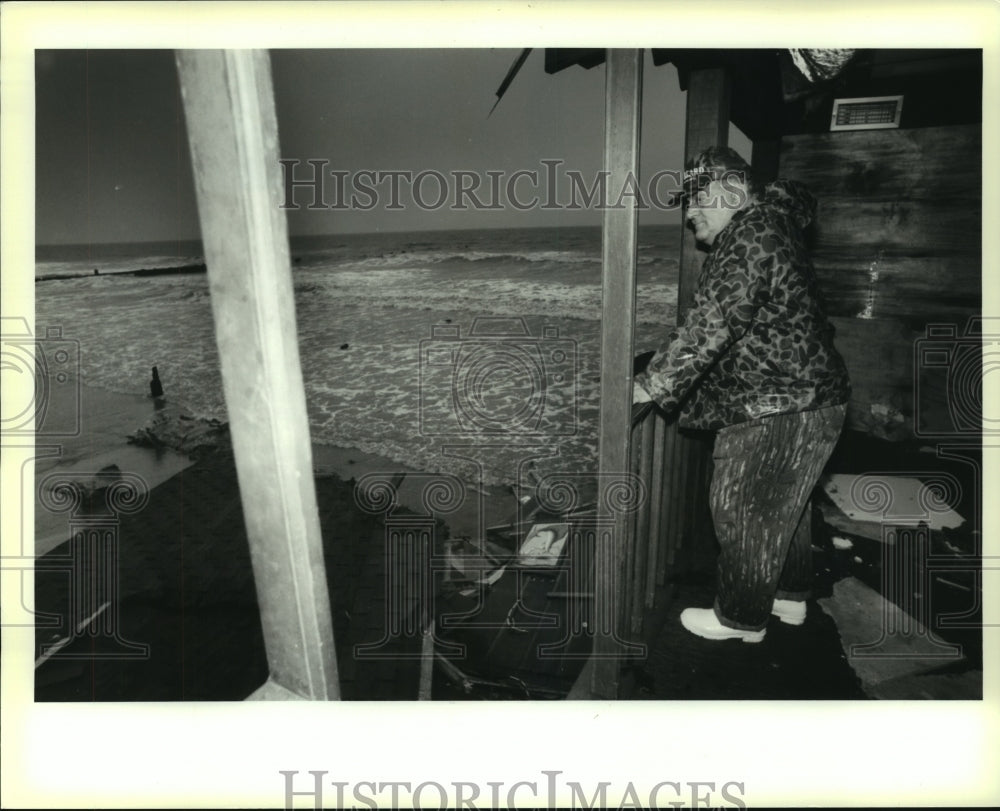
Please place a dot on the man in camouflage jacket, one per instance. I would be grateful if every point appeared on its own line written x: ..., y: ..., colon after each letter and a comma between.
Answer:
x: 754, y: 361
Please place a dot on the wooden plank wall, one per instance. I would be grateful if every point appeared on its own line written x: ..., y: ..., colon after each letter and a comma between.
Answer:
x: 897, y: 246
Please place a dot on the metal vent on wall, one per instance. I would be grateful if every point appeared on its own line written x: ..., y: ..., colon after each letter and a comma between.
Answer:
x: 874, y: 113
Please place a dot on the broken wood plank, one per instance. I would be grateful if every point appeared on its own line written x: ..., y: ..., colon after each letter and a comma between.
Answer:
x: 880, y: 640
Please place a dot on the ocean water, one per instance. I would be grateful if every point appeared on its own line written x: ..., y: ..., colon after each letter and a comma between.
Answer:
x: 486, y: 343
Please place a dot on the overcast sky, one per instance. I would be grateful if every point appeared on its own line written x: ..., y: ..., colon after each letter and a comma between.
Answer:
x: 112, y: 157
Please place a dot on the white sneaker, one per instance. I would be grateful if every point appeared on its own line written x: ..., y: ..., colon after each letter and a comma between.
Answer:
x: 792, y: 612
x: 704, y: 623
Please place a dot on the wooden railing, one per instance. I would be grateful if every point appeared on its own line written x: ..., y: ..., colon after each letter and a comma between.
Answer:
x: 672, y: 518
x: 649, y: 540
x: 645, y: 537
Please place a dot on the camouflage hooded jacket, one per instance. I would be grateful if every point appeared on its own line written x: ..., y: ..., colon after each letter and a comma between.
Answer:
x: 755, y: 342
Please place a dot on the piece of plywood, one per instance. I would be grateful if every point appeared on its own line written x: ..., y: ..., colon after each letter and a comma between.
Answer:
x: 880, y: 640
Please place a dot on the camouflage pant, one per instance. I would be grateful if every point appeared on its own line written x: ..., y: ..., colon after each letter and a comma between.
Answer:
x: 764, y: 473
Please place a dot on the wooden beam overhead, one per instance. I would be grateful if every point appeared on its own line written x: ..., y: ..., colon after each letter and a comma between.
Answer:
x: 707, y: 125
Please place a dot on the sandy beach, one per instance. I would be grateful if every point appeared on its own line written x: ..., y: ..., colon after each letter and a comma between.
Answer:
x: 185, y: 587
x: 108, y: 418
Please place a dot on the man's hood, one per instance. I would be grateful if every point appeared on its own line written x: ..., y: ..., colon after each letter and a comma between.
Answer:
x: 792, y: 198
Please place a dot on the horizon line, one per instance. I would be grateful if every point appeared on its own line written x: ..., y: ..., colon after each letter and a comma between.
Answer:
x: 596, y: 226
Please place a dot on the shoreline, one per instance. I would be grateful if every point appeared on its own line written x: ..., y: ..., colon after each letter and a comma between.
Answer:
x: 107, y: 418
x: 174, y: 270
x: 185, y: 587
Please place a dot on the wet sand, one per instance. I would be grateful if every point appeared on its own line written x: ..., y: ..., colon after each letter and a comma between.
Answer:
x: 107, y: 418
x: 184, y: 587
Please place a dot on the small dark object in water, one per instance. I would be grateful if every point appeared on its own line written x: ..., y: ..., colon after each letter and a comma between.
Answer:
x: 155, y: 387
x: 97, y: 272
x: 344, y: 346
x: 447, y: 321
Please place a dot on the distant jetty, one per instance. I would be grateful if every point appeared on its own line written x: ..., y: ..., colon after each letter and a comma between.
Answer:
x: 178, y: 270
x: 168, y: 271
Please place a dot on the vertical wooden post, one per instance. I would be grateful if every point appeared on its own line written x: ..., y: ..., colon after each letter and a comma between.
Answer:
x: 623, y: 101
x: 687, y: 469
x: 232, y: 129
x: 643, y: 462
x: 707, y: 125
x: 656, y: 518
x: 764, y: 159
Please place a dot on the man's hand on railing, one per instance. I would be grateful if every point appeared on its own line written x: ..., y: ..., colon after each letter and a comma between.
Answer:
x: 640, y: 411
x: 642, y: 403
